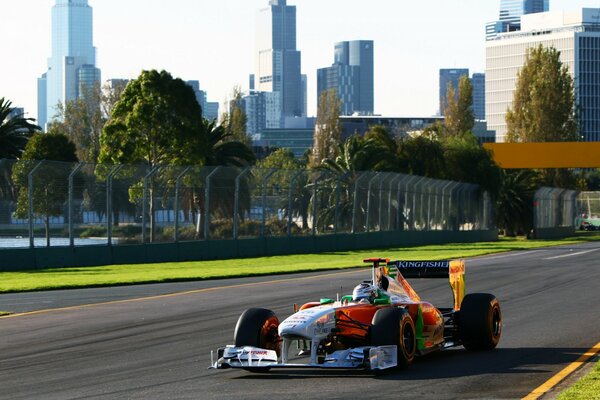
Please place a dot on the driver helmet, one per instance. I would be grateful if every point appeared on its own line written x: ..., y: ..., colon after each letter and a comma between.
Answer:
x: 364, y: 291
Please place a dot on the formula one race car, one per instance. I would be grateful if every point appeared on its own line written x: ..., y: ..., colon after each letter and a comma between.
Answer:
x: 383, y: 324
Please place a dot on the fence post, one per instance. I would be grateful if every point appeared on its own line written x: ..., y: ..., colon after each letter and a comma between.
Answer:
x: 236, y: 203
x: 109, y: 196
x: 369, y: 200
x: 30, y: 210
x: 70, y: 203
x: 207, y: 205
x: 290, y: 202
x: 144, y: 201
x: 337, y: 200
x: 356, y: 184
x: 176, y: 206
x: 389, y: 226
x: 263, y: 183
x: 314, y: 213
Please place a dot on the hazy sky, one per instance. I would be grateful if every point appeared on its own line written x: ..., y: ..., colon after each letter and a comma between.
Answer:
x: 213, y: 41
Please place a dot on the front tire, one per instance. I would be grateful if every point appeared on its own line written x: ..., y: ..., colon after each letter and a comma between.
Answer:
x: 480, y: 324
x: 394, y: 326
x: 257, y: 327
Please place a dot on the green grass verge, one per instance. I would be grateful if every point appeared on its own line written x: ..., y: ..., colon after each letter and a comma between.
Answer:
x: 587, y: 388
x: 4, y: 313
x: 112, y: 275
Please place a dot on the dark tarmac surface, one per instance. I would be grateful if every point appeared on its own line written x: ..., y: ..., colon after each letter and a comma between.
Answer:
x: 154, y: 341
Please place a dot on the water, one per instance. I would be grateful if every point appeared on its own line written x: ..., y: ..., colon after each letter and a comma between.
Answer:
x: 23, y: 242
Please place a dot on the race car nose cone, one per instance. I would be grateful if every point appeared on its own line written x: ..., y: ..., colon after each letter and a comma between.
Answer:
x: 310, y: 323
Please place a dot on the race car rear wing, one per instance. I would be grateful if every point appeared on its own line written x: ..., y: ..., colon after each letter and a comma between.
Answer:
x: 453, y: 270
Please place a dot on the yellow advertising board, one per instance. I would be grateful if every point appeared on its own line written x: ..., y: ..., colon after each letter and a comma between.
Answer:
x: 546, y: 155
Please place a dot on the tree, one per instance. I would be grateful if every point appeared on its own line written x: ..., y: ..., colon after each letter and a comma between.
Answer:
x: 50, y: 189
x: 15, y: 131
x: 459, y: 118
x: 422, y: 156
x: 543, y: 108
x: 83, y: 119
x: 214, y: 147
x: 467, y: 161
x: 153, y: 122
x: 327, y: 129
x: 235, y: 120
x: 389, y: 149
x: 514, y: 203
x: 289, y: 174
x: 356, y: 155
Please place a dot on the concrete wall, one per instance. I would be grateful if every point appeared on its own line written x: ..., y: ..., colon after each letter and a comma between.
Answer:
x: 57, y: 257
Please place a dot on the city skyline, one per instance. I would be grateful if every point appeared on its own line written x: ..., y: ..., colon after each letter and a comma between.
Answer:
x: 72, y: 62
x: 215, y: 43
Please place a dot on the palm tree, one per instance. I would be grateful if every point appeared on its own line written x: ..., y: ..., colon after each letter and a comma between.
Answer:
x: 355, y: 155
x: 514, y: 205
x: 15, y: 131
x: 214, y: 148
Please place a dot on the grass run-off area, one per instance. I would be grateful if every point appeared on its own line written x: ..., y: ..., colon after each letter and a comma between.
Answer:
x: 114, y: 275
x: 587, y: 388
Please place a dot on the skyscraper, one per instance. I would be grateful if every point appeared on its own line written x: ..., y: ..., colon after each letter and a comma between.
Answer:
x: 575, y: 35
x: 449, y: 76
x: 511, y: 12
x: 351, y: 75
x: 478, y: 83
x: 278, y: 66
x: 72, y: 65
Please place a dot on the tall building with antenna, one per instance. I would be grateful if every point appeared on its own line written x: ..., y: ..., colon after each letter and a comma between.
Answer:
x: 72, y: 64
x: 278, y: 62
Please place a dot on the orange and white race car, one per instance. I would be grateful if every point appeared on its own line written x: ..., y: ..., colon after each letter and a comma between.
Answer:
x: 382, y: 324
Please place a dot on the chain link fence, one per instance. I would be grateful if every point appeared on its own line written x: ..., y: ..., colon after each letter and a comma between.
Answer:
x: 555, y: 208
x: 45, y: 203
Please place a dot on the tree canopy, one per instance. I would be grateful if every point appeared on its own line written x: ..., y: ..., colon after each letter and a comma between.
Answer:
x: 50, y: 189
x: 543, y: 108
x: 153, y: 122
x: 459, y: 118
x: 234, y: 121
x: 83, y: 119
x: 327, y: 128
x: 15, y: 131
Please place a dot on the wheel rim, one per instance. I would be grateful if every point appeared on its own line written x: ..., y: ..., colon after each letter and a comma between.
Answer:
x: 270, y: 335
x: 408, y: 339
x: 496, y: 322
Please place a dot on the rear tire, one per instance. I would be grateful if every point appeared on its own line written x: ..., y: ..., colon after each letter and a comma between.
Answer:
x: 257, y: 327
x: 480, y: 323
x: 394, y: 326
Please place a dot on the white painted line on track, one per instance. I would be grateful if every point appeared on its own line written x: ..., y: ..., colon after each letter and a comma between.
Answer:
x: 571, y: 254
x: 493, y: 257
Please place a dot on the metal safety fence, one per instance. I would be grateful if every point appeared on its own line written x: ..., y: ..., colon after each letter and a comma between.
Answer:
x: 46, y: 203
x: 555, y: 208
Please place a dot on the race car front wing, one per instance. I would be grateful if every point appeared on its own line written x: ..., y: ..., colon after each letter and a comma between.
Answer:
x: 247, y: 357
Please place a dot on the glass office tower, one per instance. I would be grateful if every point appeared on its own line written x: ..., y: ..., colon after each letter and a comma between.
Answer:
x: 72, y: 64
x: 449, y: 76
x: 351, y: 75
x: 278, y: 67
x: 511, y: 12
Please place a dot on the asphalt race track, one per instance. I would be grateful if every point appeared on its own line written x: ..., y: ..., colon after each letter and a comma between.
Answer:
x: 124, y: 344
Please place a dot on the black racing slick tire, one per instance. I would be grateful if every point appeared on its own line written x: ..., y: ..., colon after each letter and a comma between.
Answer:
x: 257, y: 327
x: 480, y: 325
x: 394, y: 326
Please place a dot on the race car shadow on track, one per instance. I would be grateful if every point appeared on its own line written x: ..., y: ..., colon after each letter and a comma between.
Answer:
x: 447, y: 364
